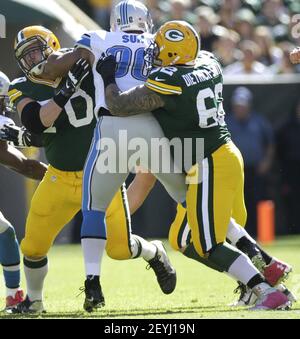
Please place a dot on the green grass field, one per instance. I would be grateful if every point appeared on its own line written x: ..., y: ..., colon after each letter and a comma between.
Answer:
x: 131, y: 291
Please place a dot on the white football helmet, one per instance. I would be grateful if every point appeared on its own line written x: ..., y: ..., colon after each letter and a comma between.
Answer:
x: 130, y: 15
x: 4, y: 85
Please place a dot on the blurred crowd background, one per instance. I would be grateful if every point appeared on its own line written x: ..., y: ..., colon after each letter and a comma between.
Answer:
x: 252, y: 39
x: 248, y: 36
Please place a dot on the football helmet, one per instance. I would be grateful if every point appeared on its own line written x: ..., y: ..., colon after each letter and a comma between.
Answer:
x: 131, y: 15
x: 4, y: 85
x: 30, y: 39
x: 175, y: 43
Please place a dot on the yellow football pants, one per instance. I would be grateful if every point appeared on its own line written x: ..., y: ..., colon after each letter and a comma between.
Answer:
x: 215, y: 196
x: 56, y: 201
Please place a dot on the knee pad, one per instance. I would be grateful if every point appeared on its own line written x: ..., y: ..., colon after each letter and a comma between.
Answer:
x: 31, y: 250
x: 118, y: 252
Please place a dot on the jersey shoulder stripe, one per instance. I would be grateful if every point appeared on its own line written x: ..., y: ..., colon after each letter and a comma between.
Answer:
x: 84, y: 42
x: 163, y: 88
x: 13, y: 95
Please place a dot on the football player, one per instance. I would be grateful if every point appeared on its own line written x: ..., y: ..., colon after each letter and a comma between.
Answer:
x: 130, y: 35
x: 186, y: 91
x: 63, y: 111
x: 9, y: 247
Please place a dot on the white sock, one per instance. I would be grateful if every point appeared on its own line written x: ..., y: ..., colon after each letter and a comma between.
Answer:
x: 35, y: 277
x: 242, y: 269
x: 236, y: 232
x: 11, y: 292
x: 142, y: 248
x: 93, y: 250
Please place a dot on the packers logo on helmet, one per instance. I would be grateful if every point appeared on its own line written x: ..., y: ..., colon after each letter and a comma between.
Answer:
x: 30, y: 40
x: 176, y: 43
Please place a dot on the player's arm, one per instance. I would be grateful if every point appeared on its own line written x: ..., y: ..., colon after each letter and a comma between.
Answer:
x: 295, y: 56
x: 36, y: 117
x: 58, y: 64
x: 134, y: 101
x: 15, y: 160
x: 139, y: 189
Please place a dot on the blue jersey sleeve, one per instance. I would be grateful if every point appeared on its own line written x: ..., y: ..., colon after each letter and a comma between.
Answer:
x: 84, y: 42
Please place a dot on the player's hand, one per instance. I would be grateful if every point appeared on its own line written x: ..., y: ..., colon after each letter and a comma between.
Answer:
x: 295, y: 56
x: 106, y: 67
x: 75, y: 76
x: 19, y: 136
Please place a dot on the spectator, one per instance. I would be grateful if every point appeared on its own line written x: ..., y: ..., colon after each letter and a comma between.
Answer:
x: 288, y: 150
x: 205, y: 25
x: 180, y: 10
x: 227, y: 12
x: 270, y: 54
x: 248, y: 63
x: 245, y: 22
x: 226, y: 46
x: 273, y: 13
x: 254, y: 137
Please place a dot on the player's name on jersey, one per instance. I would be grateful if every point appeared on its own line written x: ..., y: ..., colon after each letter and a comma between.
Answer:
x: 196, y: 77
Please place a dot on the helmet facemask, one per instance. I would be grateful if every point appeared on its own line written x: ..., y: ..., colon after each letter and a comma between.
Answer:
x: 25, y: 47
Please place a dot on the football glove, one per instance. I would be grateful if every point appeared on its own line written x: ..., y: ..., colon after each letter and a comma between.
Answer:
x: 75, y: 76
x: 20, y: 136
x: 106, y: 67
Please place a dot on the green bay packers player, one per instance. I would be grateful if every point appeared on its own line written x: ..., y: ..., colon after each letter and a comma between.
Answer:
x: 66, y: 119
x: 186, y: 91
x: 9, y: 247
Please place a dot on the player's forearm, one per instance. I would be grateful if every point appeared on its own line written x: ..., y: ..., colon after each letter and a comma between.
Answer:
x: 134, y: 101
x: 49, y: 113
x: 58, y: 64
x: 15, y: 160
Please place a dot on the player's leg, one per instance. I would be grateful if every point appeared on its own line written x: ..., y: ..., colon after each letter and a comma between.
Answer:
x: 123, y: 245
x: 209, y: 207
x: 10, y: 261
x: 100, y: 184
x: 180, y: 239
x: 53, y: 205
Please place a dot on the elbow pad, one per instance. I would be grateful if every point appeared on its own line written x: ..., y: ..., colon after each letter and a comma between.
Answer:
x: 30, y: 118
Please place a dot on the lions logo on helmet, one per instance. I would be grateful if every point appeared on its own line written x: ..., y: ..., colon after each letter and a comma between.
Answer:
x: 131, y: 15
x: 31, y: 39
x: 176, y: 43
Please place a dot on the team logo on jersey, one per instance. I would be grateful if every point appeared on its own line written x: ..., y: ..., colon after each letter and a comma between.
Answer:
x: 174, y: 35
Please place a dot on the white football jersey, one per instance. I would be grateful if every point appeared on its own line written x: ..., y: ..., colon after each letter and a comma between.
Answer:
x: 128, y: 49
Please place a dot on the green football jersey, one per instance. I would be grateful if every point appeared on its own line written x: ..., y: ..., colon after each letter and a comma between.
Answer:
x: 67, y: 142
x: 193, y: 104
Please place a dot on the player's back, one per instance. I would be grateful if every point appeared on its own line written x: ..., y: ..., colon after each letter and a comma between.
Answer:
x: 128, y: 48
x: 193, y: 101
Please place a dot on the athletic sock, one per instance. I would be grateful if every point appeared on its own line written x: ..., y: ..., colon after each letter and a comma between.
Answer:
x: 35, y: 273
x: 92, y: 253
x: 191, y: 253
x: 142, y: 248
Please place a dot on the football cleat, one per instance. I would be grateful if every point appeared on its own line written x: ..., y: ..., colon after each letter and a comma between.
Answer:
x: 282, y: 288
x: 246, y: 297
x: 94, y: 298
x: 165, y: 272
x: 272, y: 299
x: 276, y: 272
x: 14, y: 301
x: 27, y: 306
